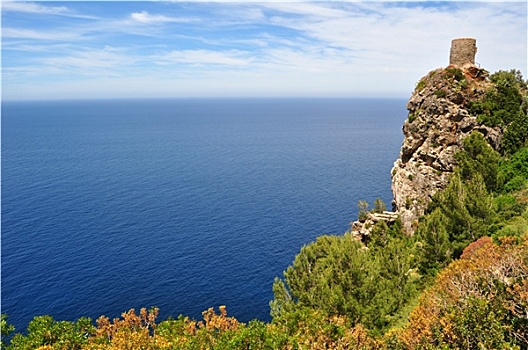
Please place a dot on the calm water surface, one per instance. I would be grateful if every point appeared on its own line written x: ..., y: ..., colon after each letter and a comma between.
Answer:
x: 180, y: 204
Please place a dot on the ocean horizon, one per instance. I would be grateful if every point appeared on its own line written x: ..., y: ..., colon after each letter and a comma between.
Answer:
x: 182, y: 204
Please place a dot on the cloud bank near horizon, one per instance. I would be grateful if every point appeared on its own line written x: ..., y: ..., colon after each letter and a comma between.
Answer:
x: 245, y: 49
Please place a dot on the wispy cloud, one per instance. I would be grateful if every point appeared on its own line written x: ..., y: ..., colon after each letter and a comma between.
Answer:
x: 47, y: 35
x: 312, y: 10
x: 105, y: 58
x: 40, y: 9
x: 147, y: 18
x: 207, y: 57
x: 29, y: 7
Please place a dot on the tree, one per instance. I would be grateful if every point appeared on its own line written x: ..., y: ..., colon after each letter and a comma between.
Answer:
x: 478, y: 157
x: 379, y: 206
x: 45, y: 331
x: 363, y: 209
x: 513, y: 172
x: 505, y: 105
x: 436, y: 248
x: 6, y: 330
x: 340, y: 276
x: 467, y: 208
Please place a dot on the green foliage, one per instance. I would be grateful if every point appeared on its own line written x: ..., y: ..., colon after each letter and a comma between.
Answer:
x: 477, y: 302
x: 514, y: 227
x: 436, y: 247
x: 506, y: 207
x: 505, y: 105
x: 440, y: 93
x: 455, y: 74
x: 282, y: 301
x: 379, y: 206
x: 420, y: 85
x: 467, y: 209
x: 513, y: 172
x: 502, y: 103
x: 44, y: 330
x: 516, y: 134
x: 512, y: 78
x: 6, y: 330
x: 363, y: 209
x: 325, y: 271
x: 339, y: 276
x: 412, y: 117
x: 475, y: 322
x: 309, y: 328
x: 478, y: 158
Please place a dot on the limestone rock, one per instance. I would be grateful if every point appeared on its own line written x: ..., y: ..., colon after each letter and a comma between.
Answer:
x: 361, y: 229
x: 437, y: 124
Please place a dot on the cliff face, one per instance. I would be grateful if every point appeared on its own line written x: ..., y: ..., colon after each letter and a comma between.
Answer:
x: 437, y: 124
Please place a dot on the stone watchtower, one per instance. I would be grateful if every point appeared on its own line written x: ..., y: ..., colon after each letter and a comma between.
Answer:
x: 463, y: 52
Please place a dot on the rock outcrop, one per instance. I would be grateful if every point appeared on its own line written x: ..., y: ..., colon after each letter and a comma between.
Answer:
x: 437, y: 124
x: 361, y: 229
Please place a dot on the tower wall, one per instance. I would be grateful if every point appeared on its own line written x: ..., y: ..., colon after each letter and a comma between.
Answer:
x: 463, y: 51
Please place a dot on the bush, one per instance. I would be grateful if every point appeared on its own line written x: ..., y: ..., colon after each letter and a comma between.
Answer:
x: 513, y: 172
x: 455, y: 74
x: 337, y: 275
x: 440, y: 93
x: 478, y: 302
x: 45, y: 331
x: 505, y: 106
x: 478, y: 157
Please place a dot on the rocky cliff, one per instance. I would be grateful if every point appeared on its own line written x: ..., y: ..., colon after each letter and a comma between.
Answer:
x: 438, y: 121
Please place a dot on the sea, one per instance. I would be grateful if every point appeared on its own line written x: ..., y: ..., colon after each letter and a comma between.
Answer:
x: 181, y: 204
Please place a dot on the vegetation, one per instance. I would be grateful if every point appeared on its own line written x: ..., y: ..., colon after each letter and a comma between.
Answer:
x: 338, y: 276
x: 461, y: 282
x: 479, y: 301
x: 506, y: 105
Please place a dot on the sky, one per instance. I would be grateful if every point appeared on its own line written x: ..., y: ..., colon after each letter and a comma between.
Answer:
x: 137, y: 49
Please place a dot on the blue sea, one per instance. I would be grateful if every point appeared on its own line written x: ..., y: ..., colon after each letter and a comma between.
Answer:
x: 183, y: 204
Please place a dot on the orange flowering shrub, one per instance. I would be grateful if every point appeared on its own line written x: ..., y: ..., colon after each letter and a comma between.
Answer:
x: 479, y: 301
x: 131, y: 331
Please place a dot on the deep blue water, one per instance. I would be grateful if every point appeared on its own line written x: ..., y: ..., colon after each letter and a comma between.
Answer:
x: 180, y: 204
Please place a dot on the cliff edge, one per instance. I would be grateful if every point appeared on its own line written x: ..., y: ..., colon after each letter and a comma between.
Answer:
x: 437, y: 123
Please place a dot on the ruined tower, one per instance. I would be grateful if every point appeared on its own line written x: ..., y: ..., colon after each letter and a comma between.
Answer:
x: 463, y: 52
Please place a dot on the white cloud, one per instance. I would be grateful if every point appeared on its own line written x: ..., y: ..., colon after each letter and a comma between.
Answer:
x: 206, y: 57
x: 86, y: 60
x: 393, y: 36
x: 30, y: 7
x: 39, y: 9
x: 313, y: 10
x: 33, y: 34
x: 147, y: 18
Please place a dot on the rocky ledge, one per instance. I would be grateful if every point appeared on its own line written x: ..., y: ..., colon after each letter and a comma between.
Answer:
x: 361, y: 229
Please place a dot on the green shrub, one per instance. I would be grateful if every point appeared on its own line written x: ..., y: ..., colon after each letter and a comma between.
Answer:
x: 505, y: 106
x: 455, y: 74
x: 421, y: 85
x: 440, y: 93
x: 513, y: 172
x: 338, y: 276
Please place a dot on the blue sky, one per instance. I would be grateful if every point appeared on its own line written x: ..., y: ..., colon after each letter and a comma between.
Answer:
x: 70, y: 49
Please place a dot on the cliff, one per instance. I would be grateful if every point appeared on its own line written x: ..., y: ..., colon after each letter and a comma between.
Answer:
x: 438, y: 121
